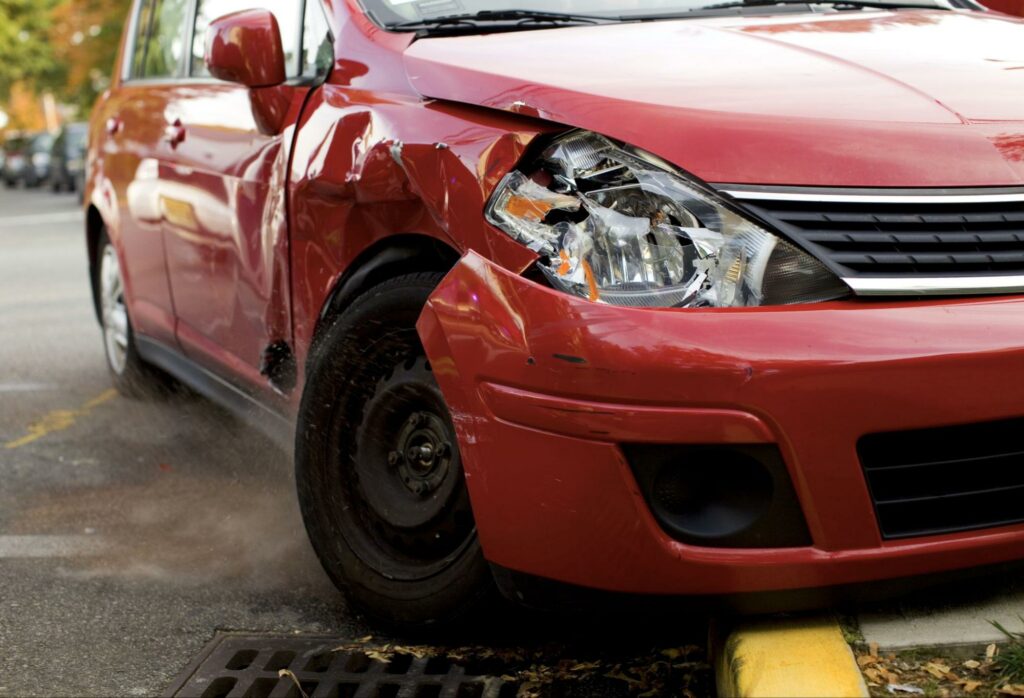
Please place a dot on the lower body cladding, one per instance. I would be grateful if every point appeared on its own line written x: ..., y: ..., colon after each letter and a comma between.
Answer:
x: 734, y: 451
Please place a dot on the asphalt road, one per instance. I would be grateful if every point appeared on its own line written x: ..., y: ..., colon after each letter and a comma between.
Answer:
x: 131, y: 532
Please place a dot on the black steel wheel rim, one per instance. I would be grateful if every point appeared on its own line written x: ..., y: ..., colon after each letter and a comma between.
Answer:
x: 406, y: 511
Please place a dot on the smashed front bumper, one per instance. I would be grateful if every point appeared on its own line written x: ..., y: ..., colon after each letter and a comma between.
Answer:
x: 548, y: 391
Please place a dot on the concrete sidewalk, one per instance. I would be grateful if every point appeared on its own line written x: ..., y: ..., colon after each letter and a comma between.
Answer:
x: 950, y: 616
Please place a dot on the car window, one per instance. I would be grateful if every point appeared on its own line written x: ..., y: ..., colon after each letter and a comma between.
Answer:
x: 287, y: 14
x: 145, y: 14
x: 77, y: 137
x: 317, y: 43
x: 42, y: 143
x: 160, y: 39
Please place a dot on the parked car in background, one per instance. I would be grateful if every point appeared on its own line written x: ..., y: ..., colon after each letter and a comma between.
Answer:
x: 660, y: 297
x: 15, y: 149
x: 37, y: 170
x: 67, y: 157
x: 27, y: 160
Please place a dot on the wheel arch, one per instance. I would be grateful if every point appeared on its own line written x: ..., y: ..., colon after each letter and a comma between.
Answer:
x: 94, y: 227
x: 385, y: 259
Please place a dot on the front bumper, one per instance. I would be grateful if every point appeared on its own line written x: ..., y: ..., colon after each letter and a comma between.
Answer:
x: 544, y: 386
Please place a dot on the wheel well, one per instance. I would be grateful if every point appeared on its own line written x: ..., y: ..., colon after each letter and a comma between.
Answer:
x: 386, y: 259
x: 93, y: 232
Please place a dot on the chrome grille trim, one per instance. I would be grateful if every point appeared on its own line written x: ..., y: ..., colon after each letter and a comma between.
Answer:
x: 825, y: 197
x: 864, y: 258
x: 936, y: 286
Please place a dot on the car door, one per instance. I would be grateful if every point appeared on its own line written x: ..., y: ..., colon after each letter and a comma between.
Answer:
x: 131, y: 119
x: 223, y: 175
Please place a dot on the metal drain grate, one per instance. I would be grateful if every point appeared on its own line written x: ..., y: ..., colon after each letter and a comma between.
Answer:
x: 238, y: 666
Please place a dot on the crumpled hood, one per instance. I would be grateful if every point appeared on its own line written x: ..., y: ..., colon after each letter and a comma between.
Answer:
x: 907, y: 99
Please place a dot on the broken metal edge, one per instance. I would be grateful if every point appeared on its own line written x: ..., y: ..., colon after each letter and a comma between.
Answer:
x: 792, y: 657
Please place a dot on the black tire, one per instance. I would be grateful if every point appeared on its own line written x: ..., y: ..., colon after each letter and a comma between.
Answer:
x: 393, y: 531
x: 131, y: 376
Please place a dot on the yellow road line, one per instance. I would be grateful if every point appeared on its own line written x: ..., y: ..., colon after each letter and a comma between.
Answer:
x: 59, y: 420
x: 786, y: 657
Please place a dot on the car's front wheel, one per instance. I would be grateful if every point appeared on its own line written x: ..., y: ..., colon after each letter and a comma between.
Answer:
x: 131, y: 376
x: 379, y: 472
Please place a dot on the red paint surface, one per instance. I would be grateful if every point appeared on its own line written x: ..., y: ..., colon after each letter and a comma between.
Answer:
x: 245, y: 47
x: 235, y: 236
x: 816, y: 377
x: 1010, y: 7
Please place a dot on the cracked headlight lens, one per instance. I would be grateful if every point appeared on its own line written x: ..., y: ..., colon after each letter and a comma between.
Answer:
x: 619, y: 227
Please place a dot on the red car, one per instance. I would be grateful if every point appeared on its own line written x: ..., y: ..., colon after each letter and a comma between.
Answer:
x: 664, y: 297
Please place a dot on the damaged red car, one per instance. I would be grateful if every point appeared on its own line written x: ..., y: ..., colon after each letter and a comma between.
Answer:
x: 682, y: 298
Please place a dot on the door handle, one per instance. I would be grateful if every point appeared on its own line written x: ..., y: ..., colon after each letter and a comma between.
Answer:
x: 114, y: 126
x: 175, y: 134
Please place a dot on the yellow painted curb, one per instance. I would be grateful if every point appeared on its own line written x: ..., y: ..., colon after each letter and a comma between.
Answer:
x: 784, y: 658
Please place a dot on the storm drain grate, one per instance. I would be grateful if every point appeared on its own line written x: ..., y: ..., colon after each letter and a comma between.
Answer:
x: 237, y: 666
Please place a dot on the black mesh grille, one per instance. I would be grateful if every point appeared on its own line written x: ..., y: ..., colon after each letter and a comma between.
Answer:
x: 881, y: 239
x: 933, y: 481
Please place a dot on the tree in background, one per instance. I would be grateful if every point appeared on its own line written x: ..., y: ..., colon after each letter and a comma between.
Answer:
x: 86, y: 35
x: 26, y: 54
x: 62, y: 47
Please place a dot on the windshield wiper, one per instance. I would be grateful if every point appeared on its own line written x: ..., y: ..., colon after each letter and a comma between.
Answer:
x: 498, y: 19
x: 881, y: 4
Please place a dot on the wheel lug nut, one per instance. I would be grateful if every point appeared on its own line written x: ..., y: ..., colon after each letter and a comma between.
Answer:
x: 415, y: 419
x: 394, y: 457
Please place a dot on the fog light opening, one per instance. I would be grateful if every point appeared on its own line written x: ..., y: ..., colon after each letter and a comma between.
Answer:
x: 735, y: 496
x: 712, y: 494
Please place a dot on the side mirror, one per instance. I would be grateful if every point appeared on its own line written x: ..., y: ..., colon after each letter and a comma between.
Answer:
x: 245, y: 47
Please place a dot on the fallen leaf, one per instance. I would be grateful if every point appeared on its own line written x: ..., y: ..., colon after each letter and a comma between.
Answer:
x: 1011, y: 690
x: 866, y: 660
x: 905, y: 688
x: 939, y: 671
x: 295, y: 680
x: 677, y: 652
x: 622, y: 677
x: 891, y: 676
x: 873, y: 648
x: 972, y: 664
x: 971, y: 686
x: 991, y: 651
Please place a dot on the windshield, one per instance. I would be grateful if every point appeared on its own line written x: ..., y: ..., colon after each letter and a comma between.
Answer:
x: 388, y: 12
x: 42, y: 143
x: 77, y: 135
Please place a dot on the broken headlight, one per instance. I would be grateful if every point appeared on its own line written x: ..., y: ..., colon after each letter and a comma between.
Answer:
x: 618, y: 227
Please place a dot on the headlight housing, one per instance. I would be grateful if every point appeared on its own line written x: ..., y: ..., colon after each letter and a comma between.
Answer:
x: 621, y: 227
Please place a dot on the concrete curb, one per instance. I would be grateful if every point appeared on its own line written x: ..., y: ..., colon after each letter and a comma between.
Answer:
x: 789, y: 657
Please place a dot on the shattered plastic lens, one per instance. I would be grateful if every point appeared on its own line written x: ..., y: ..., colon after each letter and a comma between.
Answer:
x: 617, y: 227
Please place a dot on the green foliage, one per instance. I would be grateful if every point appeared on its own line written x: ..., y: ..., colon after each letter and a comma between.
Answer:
x: 26, y: 54
x: 66, y: 47
x: 1010, y: 659
x: 86, y: 35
